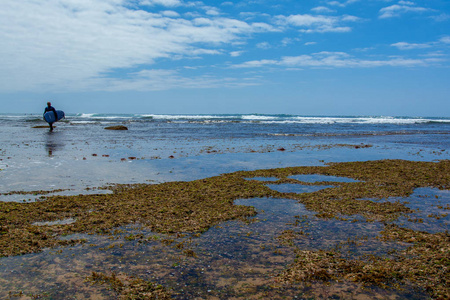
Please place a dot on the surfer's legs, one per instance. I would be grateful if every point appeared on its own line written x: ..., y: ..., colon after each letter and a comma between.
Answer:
x: 51, y: 126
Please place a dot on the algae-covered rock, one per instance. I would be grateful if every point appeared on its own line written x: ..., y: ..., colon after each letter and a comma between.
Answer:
x: 118, y: 127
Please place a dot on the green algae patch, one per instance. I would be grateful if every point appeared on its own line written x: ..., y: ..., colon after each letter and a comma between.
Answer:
x: 168, y: 208
x: 128, y: 287
x: 33, y: 192
x: 424, y: 265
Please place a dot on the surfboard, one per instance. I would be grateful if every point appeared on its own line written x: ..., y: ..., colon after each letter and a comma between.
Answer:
x: 49, y: 116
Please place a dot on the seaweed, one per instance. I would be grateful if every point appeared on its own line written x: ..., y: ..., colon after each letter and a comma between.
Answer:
x: 128, y: 287
x: 196, y: 206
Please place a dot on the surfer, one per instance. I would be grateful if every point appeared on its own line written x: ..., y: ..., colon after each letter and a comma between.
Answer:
x: 51, y: 108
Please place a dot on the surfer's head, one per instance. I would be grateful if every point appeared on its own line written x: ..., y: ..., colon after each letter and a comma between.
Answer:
x: 49, y: 104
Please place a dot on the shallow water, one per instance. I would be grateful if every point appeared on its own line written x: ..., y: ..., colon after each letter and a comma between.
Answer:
x: 431, y: 210
x: 318, y: 178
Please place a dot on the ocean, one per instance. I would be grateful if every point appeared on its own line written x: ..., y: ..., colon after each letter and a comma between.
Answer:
x: 80, y: 155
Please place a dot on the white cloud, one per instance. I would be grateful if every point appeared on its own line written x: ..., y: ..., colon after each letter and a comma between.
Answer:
x: 306, y: 20
x: 441, y: 17
x: 263, y: 45
x: 247, y: 15
x: 317, y: 23
x: 322, y: 9
x: 170, y: 13
x: 159, y: 80
x: 327, y: 28
x: 341, y: 4
x: 287, y: 41
x: 401, y: 8
x: 337, y: 60
x: 409, y: 46
x: 256, y: 63
x: 211, y: 11
x: 348, y: 18
x: 363, y: 49
x: 68, y: 44
x: 434, y: 54
x: 236, y: 53
x: 161, y: 2
x: 445, y: 40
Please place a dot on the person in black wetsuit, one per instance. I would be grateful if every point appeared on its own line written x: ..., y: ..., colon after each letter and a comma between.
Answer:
x: 51, y: 108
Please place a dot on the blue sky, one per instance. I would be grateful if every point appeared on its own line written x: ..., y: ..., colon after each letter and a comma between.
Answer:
x: 318, y: 57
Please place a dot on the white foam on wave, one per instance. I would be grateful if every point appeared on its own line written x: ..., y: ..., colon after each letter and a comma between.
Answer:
x: 187, y: 117
x: 83, y: 115
x: 84, y: 122
x: 267, y: 119
x: 357, y: 120
x: 103, y: 116
x: 259, y: 117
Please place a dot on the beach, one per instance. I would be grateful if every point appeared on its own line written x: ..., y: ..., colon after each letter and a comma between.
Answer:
x: 211, y: 206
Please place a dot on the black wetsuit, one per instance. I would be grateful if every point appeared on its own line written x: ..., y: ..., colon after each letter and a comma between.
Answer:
x: 51, y: 108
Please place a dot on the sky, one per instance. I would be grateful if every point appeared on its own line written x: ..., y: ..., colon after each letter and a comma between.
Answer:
x: 314, y: 57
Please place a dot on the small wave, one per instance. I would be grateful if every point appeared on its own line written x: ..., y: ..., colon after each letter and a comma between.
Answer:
x: 82, y: 122
x: 356, y: 120
x: 241, y: 118
x: 259, y: 117
x: 440, y: 121
x: 187, y: 117
x: 352, y: 120
x: 103, y: 116
x: 83, y: 115
x: 371, y: 133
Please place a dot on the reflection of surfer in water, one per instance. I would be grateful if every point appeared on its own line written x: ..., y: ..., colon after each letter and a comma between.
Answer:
x: 51, y: 108
x: 53, y: 143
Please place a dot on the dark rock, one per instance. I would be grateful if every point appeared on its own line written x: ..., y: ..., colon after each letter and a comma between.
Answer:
x: 118, y: 127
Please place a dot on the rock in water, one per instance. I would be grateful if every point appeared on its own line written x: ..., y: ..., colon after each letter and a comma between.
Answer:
x: 119, y: 127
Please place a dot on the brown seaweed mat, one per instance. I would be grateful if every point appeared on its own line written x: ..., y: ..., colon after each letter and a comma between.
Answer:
x: 195, y: 206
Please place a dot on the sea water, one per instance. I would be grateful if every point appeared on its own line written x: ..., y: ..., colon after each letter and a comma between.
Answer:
x: 81, y: 154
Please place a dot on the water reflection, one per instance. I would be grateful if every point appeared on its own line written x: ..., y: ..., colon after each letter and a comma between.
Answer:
x: 319, y: 178
x: 431, y: 208
x: 53, y: 142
